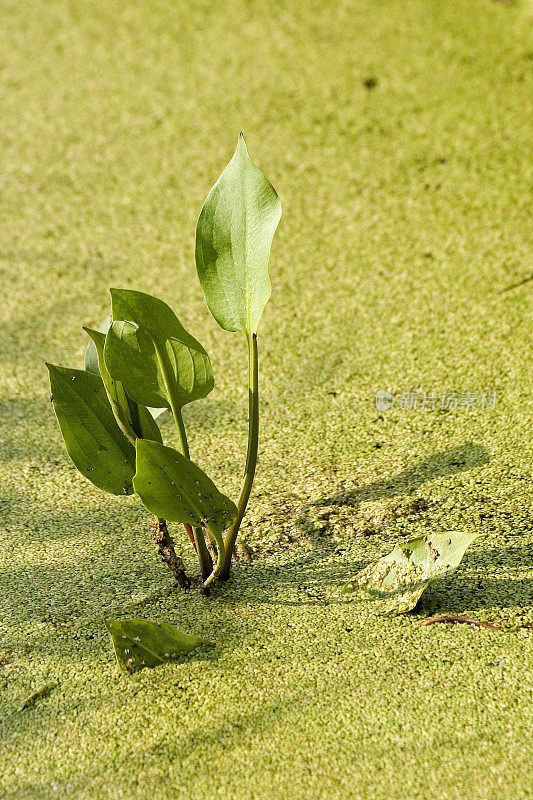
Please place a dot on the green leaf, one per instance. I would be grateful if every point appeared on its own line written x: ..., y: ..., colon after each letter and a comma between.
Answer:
x: 133, y: 419
x: 175, y: 488
x: 233, y: 239
x: 92, y: 362
x: 91, y: 354
x: 151, y: 353
x: 92, y: 437
x: 139, y: 643
x: 398, y: 579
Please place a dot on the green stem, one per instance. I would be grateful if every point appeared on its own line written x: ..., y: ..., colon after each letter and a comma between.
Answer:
x: 180, y: 425
x: 204, y: 556
x: 206, y: 564
x: 219, y: 539
x: 174, y: 407
x: 251, y: 454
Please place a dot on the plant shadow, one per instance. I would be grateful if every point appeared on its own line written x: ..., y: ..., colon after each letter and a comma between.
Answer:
x: 492, y: 578
x: 447, y: 462
x: 316, y: 578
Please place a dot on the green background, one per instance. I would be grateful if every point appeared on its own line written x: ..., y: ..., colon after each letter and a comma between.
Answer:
x: 398, y: 136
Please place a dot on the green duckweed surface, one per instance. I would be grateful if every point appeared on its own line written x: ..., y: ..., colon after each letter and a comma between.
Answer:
x: 398, y: 136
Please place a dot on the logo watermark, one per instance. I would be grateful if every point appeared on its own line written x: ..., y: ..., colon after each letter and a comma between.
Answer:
x: 434, y: 401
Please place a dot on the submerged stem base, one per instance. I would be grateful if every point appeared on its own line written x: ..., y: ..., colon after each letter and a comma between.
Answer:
x: 165, y: 547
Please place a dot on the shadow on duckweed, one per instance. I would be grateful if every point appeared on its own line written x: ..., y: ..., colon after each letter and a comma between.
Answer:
x: 317, y: 575
x: 447, y: 462
x: 311, y: 582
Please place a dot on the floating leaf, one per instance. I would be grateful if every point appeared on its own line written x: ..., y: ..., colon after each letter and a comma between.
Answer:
x: 133, y: 419
x: 233, y: 239
x: 92, y: 437
x: 139, y: 643
x: 151, y: 353
x: 175, y: 488
x: 398, y: 579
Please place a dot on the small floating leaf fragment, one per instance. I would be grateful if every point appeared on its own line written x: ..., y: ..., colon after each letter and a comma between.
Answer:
x: 398, y: 580
x: 149, y: 643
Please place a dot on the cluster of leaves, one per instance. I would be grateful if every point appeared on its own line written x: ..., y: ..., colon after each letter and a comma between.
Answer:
x: 142, y: 361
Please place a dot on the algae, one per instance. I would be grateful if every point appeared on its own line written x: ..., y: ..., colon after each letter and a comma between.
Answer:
x: 400, y: 264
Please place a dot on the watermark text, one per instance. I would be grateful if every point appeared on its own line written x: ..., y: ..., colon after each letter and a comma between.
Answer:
x: 433, y: 401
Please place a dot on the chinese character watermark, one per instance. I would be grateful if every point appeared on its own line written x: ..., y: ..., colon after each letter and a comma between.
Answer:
x: 447, y: 401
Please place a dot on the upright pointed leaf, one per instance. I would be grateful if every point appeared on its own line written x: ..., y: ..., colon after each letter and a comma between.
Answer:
x: 233, y: 239
x: 92, y: 363
x: 91, y: 354
x: 139, y: 643
x: 133, y: 419
x: 92, y: 437
x: 175, y: 488
x: 150, y: 352
x: 398, y: 579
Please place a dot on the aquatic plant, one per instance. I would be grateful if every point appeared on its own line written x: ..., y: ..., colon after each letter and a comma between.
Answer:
x: 142, y: 361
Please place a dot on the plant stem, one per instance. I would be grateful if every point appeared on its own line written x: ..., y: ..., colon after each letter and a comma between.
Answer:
x: 190, y: 534
x: 219, y: 539
x: 206, y: 564
x: 165, y: 547
x: 251, y: 453
x: 204, y: 556
x: 180, y: 425
x: 175, y: 408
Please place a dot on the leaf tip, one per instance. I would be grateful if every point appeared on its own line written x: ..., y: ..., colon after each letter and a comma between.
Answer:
x: 91, y: 333
x: 52, y: 368
x: 115, y: 293
x: 241, y: 145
